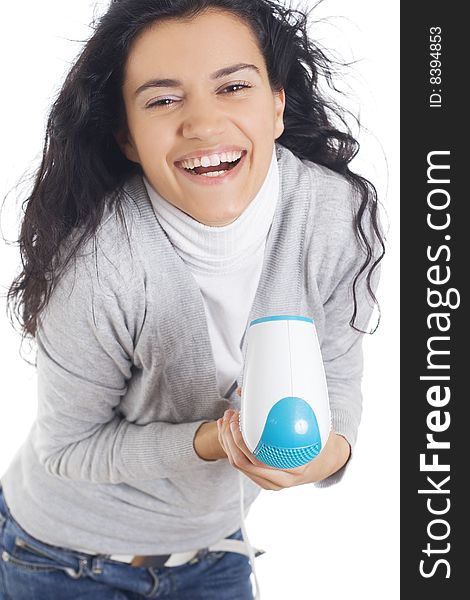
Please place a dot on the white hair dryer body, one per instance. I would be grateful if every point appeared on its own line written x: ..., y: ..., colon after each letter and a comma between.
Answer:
x: 285, y: 415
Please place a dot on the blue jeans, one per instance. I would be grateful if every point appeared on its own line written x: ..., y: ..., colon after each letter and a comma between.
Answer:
x: 41, y: 571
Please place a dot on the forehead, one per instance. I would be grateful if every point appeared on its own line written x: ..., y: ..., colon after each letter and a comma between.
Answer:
x: 191, y: 46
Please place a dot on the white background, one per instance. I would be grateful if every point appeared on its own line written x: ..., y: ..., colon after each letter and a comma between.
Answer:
x: 321, y: 543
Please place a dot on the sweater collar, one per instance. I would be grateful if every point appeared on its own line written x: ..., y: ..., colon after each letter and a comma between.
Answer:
x: 212, y: 249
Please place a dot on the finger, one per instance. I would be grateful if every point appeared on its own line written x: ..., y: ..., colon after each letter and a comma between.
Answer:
x: 262, y: 482
x: 276, y: 477
x: 267, y: 477
x: 219, y: 434
x: 244, y: 462
x: 223, y: 427
x: 239, y: 457
x: 239, y: 452
x: 233, y: 452
x: 241, y: 444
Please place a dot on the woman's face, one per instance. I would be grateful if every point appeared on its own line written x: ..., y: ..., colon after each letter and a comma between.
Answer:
x: 200, y: 113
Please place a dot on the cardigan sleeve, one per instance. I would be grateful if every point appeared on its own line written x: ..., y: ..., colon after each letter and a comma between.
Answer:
x: 85, y: 341
x: 341, y: 345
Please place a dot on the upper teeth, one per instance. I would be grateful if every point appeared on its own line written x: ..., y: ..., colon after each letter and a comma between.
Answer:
x: 211, y: 161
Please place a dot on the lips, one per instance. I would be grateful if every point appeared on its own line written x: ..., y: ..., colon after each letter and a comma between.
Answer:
x: 205, y: 180
x: 243, y: 152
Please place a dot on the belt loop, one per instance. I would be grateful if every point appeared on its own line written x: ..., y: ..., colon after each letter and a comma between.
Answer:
x: 201, y: 555
x: 2, y: 522
x: 97, y: 564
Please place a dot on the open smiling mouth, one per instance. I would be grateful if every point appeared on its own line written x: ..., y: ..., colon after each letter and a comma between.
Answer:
x: 218, y: 171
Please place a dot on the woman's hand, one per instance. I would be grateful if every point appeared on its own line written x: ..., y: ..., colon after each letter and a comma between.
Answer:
x: 334, y: 455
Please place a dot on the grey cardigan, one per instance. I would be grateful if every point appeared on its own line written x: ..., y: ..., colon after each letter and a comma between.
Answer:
x: 126, y: 373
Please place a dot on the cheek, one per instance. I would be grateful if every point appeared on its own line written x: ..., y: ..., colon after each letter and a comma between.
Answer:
x: 258, y: 126
x: 153, y: 147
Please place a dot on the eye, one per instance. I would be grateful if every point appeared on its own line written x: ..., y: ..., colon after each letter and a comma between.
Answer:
x: 160, y: 103
x: 167, y: 102
x: 242, y: 85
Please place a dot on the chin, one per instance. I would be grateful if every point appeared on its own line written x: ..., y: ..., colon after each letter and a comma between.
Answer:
x: 219, y: 220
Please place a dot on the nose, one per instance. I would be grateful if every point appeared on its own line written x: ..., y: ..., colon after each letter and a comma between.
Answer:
x: 202, y: 121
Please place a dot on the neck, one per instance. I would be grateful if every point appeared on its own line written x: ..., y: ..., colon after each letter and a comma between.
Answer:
x: 216, y: 248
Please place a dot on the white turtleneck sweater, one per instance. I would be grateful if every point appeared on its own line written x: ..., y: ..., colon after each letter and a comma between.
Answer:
x: 226, y: 263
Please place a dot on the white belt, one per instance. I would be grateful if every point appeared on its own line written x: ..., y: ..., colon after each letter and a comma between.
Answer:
x: 179, y: 558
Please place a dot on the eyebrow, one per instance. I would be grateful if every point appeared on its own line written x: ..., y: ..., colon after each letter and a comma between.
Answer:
x: 217, y: 75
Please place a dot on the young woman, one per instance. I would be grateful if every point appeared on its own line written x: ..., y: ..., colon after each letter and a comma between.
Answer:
x: 193, y: 179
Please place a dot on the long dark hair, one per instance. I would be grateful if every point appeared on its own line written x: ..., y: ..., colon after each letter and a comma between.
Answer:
x: 82, y: 162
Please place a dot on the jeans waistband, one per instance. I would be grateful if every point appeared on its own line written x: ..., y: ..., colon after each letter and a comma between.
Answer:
x: 157, y: 560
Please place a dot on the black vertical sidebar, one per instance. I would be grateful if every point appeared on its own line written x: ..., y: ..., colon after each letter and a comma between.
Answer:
x: 434, y: 329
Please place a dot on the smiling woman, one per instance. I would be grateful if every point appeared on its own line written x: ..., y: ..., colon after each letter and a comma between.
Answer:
x: 195, y: 102
x: 196, y: 131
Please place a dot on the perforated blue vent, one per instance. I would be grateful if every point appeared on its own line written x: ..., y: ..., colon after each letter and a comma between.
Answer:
x: 285, y: 458
x: 291, y: 436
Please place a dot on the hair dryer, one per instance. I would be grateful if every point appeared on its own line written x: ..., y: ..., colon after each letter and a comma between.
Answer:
x: 285, y: 415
